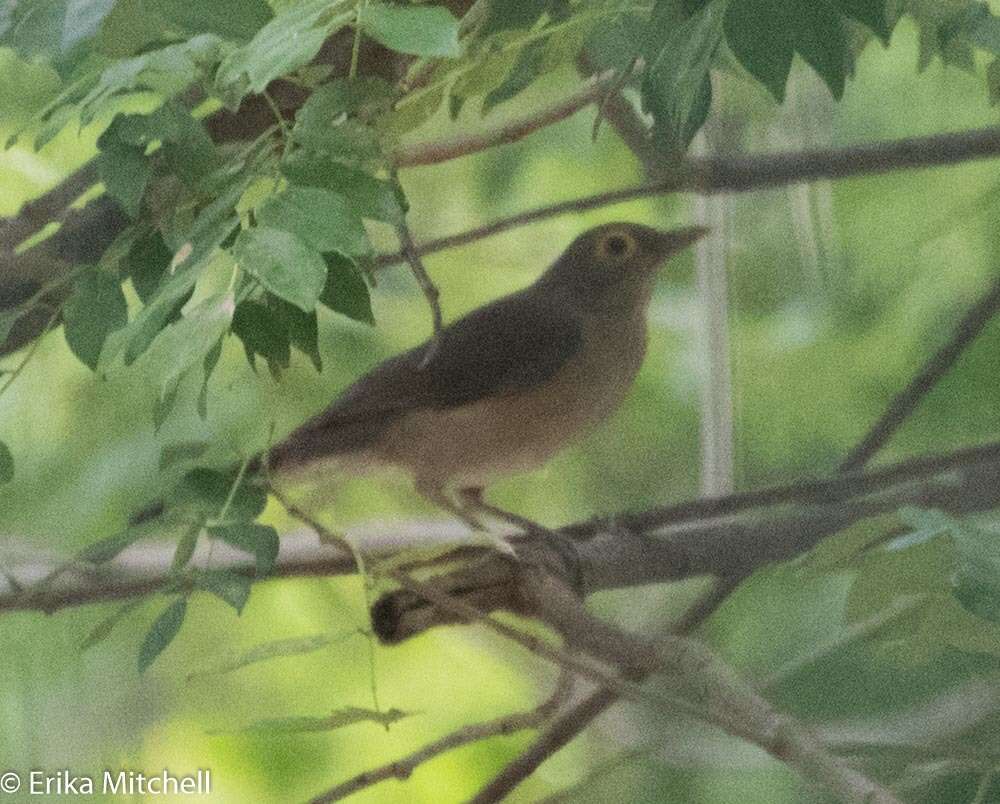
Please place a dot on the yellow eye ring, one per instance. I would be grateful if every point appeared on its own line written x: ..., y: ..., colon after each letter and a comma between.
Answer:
x: 616, y: 246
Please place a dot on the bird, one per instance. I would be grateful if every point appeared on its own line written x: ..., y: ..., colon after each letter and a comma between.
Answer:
x: 503, y: 389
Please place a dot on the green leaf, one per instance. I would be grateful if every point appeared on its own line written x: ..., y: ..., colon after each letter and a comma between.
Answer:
x: 125, y: 172
x: 146, y: 262
x: 181, y: 452
x: 284, y: 263
x: 676, y: 88
x: 260, y: 541
x: 302, y: 328
x: 345, y: 290
x: 110, y: 547
x: 229, y: 587
x: 184, y: 344
x: 323, y: 219
x: 277, y: 649
x: 764, y: 35
x: 6, y: 463
x: 208, y: 366
x: 49, y: 28
x: 203, y: 492
x: 166, y: 71
x: 96, y: 308
x: 25, y: 87
x: 872, y: 13
x: 417, y: 30
x: 348, y: 716
x: 186, y: 546
x: 162, y: 633
x: 289, y: 41
x: 238, y: 20
x: 262, y: 333
x: 368, y: 196
x: 103, y: 629
x: 506, y: 16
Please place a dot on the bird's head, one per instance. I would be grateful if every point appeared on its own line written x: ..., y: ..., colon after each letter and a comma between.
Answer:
x: 616, y: 264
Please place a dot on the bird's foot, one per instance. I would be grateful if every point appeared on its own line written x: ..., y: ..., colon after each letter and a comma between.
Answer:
x: 565, y: 548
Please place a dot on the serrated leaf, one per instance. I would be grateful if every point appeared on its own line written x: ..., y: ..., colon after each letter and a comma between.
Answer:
x: 416, y: 30
x: 181, y: 452
x: 289, y: 41
x: 323, y: 219
x: 676, y: 88
x: 6, y: 463
x: 95, y: 309
x: 277, y: 649
x: 284, y: 264
x: 260, y: 541
x: 345, y: 290
x: 162, y: 633
x: 348, y: 716
x: 230, y: 587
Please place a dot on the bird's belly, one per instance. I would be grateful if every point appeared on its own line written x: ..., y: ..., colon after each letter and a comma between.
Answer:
x: 506, y: 435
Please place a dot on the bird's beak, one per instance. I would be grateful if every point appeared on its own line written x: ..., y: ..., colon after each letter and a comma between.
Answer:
x: 679, y: 239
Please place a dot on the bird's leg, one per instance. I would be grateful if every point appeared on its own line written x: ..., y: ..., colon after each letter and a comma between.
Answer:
x: 472, y: 498
x: 437, y: 495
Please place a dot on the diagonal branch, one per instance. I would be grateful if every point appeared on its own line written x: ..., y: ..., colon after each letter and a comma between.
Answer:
x: 403, y: 768
x: 967, y: 330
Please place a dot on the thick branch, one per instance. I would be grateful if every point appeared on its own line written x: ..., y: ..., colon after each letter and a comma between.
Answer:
x: 727, y: 537
x: 738, y: 174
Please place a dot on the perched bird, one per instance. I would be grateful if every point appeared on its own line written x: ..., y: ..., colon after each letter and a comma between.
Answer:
x: 506, y: 387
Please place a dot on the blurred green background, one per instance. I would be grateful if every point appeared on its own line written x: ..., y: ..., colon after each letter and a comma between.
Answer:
x: 838, y: 293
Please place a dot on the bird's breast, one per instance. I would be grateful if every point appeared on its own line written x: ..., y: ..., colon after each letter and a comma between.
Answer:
x: 521, y: 430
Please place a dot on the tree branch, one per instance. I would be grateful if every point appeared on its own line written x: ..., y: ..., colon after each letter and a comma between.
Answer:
x: 403, y: 768
x: 448, y: 148
x: 968, y: 329
x: 739, y: 174
x: 727, y: 537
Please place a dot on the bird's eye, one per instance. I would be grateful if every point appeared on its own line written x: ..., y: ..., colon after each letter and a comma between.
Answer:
x: 617, y: 245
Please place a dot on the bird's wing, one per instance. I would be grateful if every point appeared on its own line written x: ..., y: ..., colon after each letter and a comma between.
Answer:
x: 512, y: 344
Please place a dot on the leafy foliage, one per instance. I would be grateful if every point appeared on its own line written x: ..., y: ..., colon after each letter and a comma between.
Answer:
x: 261, y: 236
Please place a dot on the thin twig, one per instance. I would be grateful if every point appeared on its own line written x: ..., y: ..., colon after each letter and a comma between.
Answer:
x: 409, y: 250
x: 403, y: 768
x: 968, y: 329
x: 446, y: 149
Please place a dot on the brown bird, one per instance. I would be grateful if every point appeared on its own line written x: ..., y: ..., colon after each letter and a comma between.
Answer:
x: 506, y: 387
